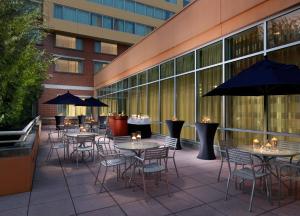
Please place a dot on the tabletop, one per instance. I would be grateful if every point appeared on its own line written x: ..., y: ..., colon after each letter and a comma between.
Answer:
x: 270, y: 152
x: 74, y: 135
x: 137, y: 145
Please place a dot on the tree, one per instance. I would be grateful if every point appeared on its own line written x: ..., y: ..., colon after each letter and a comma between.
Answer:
x: 23, y: 66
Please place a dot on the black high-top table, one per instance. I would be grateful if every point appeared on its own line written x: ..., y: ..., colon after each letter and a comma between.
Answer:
x: 206, y: 133
x: 175, y: 130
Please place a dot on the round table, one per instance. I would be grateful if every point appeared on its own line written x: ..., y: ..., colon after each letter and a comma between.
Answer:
x: 74, y: 135
x: 137, y: 147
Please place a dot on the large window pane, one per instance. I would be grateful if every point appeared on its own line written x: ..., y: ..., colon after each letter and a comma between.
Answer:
x: 284, y: 111
x: 98, y: 66
x: 209, y: 55
x: 185, y: 103
x: 209, y: 107
x: 167, y: 102
x: 142, y: 77
x: 133, y: 101
x: 109, y: 48
x: 142, y: 100
x: 129, y: 5
x: 69, y: 14
x: 140, y: 8
x: 119, y: 25
x: 244, y: 112
x: 244, y: 43
x: 132, y: 81
x: 167, y: 69
x: 185, y: 63
x: 153, y: 106
x: 58, y: 11
x: 96, y: 20
x: 129, y: 27
x: 68, y: 66
x: 119, y: 4
x: 107, y: 22
x: 284, y: 29
x: 83, y: 17
x: 153, y: 74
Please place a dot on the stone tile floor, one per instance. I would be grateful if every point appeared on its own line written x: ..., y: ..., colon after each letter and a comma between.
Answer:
x: 61, y: 189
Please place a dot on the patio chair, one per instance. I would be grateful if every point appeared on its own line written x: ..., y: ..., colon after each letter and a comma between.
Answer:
x: 171, y: 144
x: 292, y: 146
x: 223, y: 144
x: 84, y: 143
x: 108, y: 158
x: 57, y: 141
x: 244, y: 168
x: 154, y: 161
x: 289, y: 172
x: 123, y: 139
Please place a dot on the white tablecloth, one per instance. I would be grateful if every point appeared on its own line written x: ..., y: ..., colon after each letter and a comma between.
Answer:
x: 139, y: 121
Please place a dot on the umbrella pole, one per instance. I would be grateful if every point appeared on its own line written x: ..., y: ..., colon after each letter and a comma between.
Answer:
x: 266, y: 117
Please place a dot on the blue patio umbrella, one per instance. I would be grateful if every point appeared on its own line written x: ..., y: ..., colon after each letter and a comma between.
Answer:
x: 93, y: 102
x: 66, y: 98
x: 262, y: 78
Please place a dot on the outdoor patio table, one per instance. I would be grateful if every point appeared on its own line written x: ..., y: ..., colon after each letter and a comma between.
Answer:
x: 266, y: 155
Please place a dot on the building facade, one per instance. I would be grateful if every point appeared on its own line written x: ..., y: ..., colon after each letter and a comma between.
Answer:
x: 86, y: 35
x: 196, y: 54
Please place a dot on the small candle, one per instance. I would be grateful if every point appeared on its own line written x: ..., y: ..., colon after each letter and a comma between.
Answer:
x: 255, y: 143
x: 274, y: 142
x: 205, y: 120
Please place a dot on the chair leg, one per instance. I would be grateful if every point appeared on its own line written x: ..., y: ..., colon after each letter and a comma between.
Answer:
x: 98, y: 173
x: 279, y: 185
x: 167, y: 182
x: 228, y: 184
x: 144, y: 183
x: 175, y: 167
x: 252, y: 194
x: 102, y: 183
x: 220, y: 170
x: 49, y: 153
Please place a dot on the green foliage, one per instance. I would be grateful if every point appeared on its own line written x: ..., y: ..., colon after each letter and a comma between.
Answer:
x: 23, y: 66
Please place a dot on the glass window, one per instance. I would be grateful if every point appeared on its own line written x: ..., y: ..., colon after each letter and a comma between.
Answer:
x: 125, y: 83
x: 210, y: 107
x: 129, y: 27
x: 119, y: 4
x: 168, y: 14
x: 108, y: 2
x: 99, y: 66
x: 122, y: 102
x: 284, y: 112
x: 209, y: 55
x: 150, y: 11
x: 129, y: 5
x: 159, y: 13
x: 140, y: 8
x: 245, y: 112
x: 68, y: 65
x: 185, y: 63
x: 69, y: 14
x: 167, y: 105
x: 284, y: 29
x: 244, y: 43
x: 68, y: 42
x: 58, y: 11
x: 83, y: 17
x: 133, y: 101
x: 109, y: 48
x: 142, y: 100
x: 172, y: 1
x: 119, y: 25
x: 96, y: 20
x: 97, y: 47
x: 142, y: 77
x: 140, y: 29
x: 107, y: 22
x: 167, y: 69
x: 72, y: 110
x: 185, y: 103
x: 153, y: 106
x: 153, y: 74
x: 120, y: 85
x: 132, y: 81
x: 186, y: 2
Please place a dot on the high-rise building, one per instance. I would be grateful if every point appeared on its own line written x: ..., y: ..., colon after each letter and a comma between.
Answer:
x: 86, y: 35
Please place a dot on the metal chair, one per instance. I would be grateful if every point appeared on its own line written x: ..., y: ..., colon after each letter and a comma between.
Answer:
x: 244, y: 168
x: 293, y: 146
x: 108, y: 158
x: 57, y: 141
x: 154, y: 161
x: 223, y: 144
x: 123, y: 139
x: 84, y: 143
x: 171, y: 144
x: 289, y: 172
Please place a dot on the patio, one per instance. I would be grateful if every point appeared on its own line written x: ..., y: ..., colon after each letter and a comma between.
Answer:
x: 59, y: 188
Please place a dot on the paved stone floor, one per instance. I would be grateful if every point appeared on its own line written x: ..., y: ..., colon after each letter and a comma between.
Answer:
x: 59, y: 188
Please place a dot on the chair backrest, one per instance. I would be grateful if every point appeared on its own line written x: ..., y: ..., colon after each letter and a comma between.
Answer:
x: 294, y: 146
x: 156, y: 153
x: 170, y: 142
x: 104, y: 147
x: 108, y: 133
x: 85, y: 139
x: 238, y: 156
x: 102, y: 121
